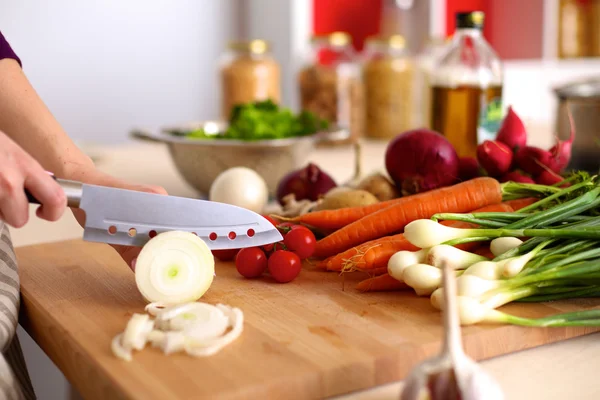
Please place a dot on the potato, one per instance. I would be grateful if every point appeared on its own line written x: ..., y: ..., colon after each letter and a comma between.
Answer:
x: 346, y: 198
x: 380, y: 186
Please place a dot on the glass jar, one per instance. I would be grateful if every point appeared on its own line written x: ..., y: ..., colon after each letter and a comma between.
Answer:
x: 388, y: 75
x: 426, y: 61
x: 467, y: 88
x: 248, y: 73
x: 330, y: 84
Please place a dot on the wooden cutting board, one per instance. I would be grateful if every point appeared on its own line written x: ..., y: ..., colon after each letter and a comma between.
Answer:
x: 311, y: 338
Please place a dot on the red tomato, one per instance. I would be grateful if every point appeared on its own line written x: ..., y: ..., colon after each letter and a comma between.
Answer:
x: 226, y: 254
x: 284, y: 266
x: 251, y: 262
x: 288, y: 226
x: 271, y: 220
x: 300, y: 241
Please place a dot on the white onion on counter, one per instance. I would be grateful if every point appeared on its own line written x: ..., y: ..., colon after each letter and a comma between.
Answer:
x: 242, y: 187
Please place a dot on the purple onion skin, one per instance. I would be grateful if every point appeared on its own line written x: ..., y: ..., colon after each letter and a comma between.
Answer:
x: 308, y: 183
x: 421, y: 160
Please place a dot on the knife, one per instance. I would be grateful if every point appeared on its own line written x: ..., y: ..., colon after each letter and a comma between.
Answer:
x: 127, y: 217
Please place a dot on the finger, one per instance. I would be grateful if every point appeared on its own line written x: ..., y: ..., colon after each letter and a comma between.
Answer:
x: 13, y: 202
x: 49, y: 193
x: 128, y: 254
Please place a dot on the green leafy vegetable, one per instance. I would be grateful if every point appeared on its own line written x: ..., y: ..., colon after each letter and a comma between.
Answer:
x: 265, y: 120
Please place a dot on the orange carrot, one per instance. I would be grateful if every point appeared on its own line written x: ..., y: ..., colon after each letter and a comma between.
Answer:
x: 517, y: 204
x: 381, y: 283
x: 376, y: 253
x: 462, y: 197
x: 332, y: 220
x: 370, y: 255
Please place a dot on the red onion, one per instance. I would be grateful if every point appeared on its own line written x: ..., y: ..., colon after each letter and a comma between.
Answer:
x: 468, y: 168
x: 512, y: 131
x: 534, y: 160
x: 420, y: 160
x: 516, y: 176
x: 495, y: 157
x: 561, y: 151
x: 309, y: 183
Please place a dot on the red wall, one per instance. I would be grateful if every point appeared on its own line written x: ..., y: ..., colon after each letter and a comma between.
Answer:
x: 513, y: 27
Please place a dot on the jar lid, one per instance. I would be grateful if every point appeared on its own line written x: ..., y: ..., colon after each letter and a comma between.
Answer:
x: 335, y: 39
x: 392, y: 41
x: 256, y: 46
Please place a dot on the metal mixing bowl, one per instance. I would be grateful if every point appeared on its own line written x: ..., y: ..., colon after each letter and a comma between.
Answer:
x: 200, y: 161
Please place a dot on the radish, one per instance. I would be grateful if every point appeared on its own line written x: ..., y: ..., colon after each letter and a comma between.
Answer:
x: 420, y: 160
x: 468, y: 168
x: 561, y: 151
x: 495, y: 157
x: 548, y: 177
x: 512, y: 131
x: 534, y: 160
x: 516, y: 176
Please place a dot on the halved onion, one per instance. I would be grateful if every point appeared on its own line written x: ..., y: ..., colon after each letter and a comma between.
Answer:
x: 174, y: 267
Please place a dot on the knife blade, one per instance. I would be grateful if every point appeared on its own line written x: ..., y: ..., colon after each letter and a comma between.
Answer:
x: 127, y: 217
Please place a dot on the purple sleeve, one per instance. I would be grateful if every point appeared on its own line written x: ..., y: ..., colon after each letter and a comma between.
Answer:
x: 6, y: 51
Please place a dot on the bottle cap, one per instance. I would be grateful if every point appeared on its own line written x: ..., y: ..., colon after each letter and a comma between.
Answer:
x: 471, y: 19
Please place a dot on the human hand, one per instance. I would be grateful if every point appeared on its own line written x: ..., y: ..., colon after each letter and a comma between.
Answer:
x: 20, y: 171
x: 95, y: 177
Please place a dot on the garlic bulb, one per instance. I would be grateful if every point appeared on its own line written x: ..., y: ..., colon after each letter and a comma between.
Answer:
x: 451, y: 374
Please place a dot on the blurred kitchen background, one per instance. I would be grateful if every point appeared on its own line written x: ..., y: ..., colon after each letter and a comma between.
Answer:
x: 105, y: 67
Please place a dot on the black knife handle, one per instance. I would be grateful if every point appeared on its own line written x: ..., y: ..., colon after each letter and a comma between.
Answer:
x: 72, y: 189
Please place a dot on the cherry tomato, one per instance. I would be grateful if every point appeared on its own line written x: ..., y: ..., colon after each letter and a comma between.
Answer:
x: 226, y: 254
x: 289, y: 226
x: 284, y: 266
x: 271, y: 220
x: 251, y: 262
x: 300, y: 241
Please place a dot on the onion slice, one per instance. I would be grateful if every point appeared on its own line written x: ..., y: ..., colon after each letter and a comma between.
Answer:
x: 174, y: 267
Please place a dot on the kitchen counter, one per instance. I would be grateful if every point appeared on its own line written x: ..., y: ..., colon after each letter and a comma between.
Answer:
x: 548, y: 372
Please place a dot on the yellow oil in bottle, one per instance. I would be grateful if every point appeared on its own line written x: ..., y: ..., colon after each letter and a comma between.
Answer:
x: 465, y: 115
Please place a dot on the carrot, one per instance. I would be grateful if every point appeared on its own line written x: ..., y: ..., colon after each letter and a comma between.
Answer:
x: 376, y: 253
x: 369, y: 255
x: 517, y: 204
x: 332, y: 220
x: 462, y: 197
x: 381, y: 283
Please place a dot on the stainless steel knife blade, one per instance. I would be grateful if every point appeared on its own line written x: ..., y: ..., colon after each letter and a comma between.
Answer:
x: 126, y: 217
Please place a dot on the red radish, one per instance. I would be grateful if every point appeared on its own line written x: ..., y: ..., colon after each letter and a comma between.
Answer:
x: 561, y: 151
x: 516, y: 176
x: 421, y: 160
x: 549, y: 177
x: 512, y: 131
x: 468, y: 168
x: 495, y: 157
x: 534, y: 160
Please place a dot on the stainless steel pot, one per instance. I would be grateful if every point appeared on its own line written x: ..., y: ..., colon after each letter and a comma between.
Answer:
x: 582, y: 98
x: 200, y: 161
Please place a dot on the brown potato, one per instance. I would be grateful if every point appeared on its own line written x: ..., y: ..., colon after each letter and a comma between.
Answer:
x: 380, y: 186
x: 346, y: 198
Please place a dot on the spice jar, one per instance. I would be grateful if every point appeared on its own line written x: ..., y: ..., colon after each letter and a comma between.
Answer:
x: 330, y: 84
x: 248, y: 73
x: 388, y: 75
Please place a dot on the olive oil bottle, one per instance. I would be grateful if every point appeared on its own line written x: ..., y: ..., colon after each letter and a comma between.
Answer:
x: 466, y: 91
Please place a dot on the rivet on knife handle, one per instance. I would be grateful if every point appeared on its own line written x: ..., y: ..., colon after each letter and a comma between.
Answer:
x: 72, y: 189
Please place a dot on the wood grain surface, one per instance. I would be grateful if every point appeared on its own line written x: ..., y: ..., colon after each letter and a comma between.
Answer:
x: 312, y: 338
